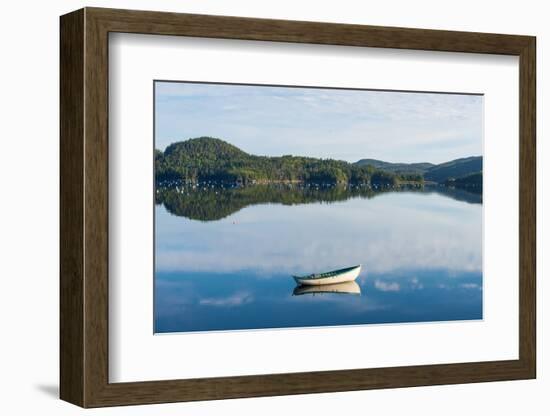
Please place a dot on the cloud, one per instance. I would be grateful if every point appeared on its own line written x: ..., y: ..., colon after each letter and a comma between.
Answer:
x: 340, y: 124
x: 236, y: 299
x: 387, y: 286
x: 416, y: 284
x: 470, y: 286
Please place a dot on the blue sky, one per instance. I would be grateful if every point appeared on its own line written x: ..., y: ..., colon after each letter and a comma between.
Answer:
x: 327, y: 123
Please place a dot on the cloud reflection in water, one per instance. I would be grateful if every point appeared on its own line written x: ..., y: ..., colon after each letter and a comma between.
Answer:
x: 390, y: 232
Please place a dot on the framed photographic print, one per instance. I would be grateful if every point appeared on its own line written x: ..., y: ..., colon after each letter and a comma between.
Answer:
x: 255, y: 207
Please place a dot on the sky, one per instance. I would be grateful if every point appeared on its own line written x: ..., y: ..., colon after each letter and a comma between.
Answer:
x: 319, y: 122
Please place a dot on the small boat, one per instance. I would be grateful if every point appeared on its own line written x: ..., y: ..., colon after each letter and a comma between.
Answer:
x: 348, y: 274
x: 350, y: 288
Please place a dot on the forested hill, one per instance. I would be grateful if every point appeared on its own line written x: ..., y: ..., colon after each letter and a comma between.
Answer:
x: 455, y: 169
x: 206, y: 159
x: 209, y: 159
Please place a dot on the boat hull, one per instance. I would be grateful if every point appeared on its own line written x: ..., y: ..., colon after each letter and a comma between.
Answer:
x: 346, y: 276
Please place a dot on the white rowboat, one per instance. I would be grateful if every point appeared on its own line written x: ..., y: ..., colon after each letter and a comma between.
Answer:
x: 348, y: 274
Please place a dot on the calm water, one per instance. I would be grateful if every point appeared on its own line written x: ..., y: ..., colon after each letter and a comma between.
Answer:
x: 224, y: 258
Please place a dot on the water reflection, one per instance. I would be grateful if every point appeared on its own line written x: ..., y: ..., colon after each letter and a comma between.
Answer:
x: 350, y: 288
x: 422, y: 247
x: 212, y: 202
x: 394, y: 230
x: 230, y: 301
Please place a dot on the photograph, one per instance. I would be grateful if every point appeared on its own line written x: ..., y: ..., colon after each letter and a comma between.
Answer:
x: 296, y: 207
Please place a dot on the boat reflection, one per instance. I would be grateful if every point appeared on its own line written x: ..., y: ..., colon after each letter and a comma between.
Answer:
x: 350, y: 288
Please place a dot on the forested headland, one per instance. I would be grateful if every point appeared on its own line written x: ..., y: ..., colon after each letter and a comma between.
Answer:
x: 206, y: 159
x: 212, y: 160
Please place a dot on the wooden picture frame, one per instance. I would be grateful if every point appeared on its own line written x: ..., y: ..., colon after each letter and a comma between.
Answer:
x: 84, y: 207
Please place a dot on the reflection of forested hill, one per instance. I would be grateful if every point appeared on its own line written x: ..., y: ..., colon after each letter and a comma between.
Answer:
x: 472, y: 182
x: 208, y: 203
x: 472, y: 196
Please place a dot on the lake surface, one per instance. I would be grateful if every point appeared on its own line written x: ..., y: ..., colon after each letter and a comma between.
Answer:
x: 225, y: 257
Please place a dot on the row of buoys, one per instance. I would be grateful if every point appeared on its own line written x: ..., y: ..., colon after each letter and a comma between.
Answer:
x: 181, y: 187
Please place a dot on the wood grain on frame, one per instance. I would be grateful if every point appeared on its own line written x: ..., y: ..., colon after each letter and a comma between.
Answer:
x: 84, y: 207
x: 71, y: 210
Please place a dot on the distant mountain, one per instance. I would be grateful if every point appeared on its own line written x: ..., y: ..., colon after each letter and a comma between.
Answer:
x: 455, y: 169
x: 440, y: 173
x: 396, y: 167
